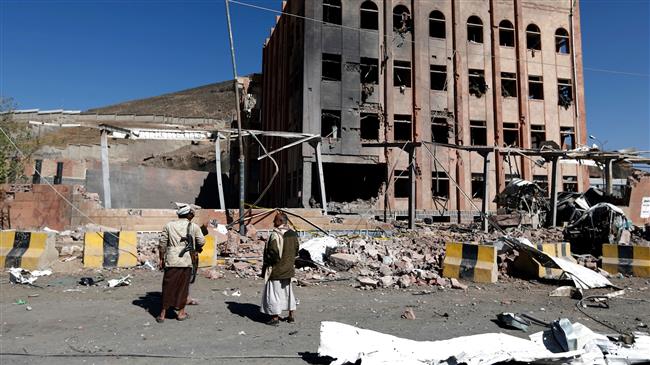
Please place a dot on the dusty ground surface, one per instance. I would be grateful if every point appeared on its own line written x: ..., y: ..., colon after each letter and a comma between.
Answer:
x: 69, y: 319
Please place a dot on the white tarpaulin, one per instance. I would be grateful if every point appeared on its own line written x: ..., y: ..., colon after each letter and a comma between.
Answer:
x: 347, y: 343
x: 317, y: 247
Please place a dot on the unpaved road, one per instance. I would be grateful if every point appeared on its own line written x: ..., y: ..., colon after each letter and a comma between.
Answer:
x: 116, y: 321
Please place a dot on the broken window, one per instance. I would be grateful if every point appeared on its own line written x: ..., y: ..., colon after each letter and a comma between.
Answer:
x: 402, y: 186
x: 332, y: 11
x: 511, y: 134
x: 439, y: 130
x: 402, y: 73
x: 570, y: 184
x: 506, y: 34
x: 508, y: 85
x: 438, y: 77
x: 537, y: 136
x: 478, y: 132
x: 402, y: 21
x: 477, y: 85
x: 369, y: 71
x: 439, y: 184
x: 331, y: 67
x: 562, y: 41
x: 564, y: 93
x: 535, y: 87
x: 541, y: 181
x: 330, y: 122
x: 369, y: 15
x: 402, y: 127
x: 475, y: 29
x: 567, y: 138
x: 369, y: 126
x: 437, y: 24
x: 533, y: 37
x: 477, y: 186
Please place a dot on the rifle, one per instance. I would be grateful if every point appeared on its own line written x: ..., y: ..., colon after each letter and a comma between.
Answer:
x: 190, y: 246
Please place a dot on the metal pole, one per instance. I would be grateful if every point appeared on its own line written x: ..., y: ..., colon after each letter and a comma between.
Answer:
x: 412, y: 189
x: 554, y: 192
x: 609, y: 177
x: 242, y: 226
x: 321, y: 177
x: 105, y: 172
x: 217, y: 150
x: 486, y: 194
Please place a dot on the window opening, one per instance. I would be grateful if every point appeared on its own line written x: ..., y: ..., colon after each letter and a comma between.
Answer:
x: 570, y: 184
x: 402, y: 186
x: 537, y: 136
x: 475, y: 29
x: 511, y: 134
x: 437, y: 24
x: 438, y: 75
x: 535, y: 87
x: 562, y: 41
x: 477, y: 186
x: 331, y: 67
x: 369, y: 126
x: 369, y: 16
x: 402, y: 21
x: 567, y: 138
x: 477, y: 85
x: 439, y: 184
x: 369, y: 71
x: 533, y: 38
x: 506, y: 34
x: 439, y: 130
x: 564, y: 93
x: 402, y: 73
x: 541, y: 181
x: 332, y: 11
x: 478, y: 132
x: 402, y: 127
x: 330, y: 121
x: 508, y: 85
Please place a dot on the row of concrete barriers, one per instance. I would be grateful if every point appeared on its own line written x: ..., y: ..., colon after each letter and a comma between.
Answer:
x: 36, y: 250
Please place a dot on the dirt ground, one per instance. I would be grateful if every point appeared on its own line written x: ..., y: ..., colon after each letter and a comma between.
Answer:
x: 79, y: 325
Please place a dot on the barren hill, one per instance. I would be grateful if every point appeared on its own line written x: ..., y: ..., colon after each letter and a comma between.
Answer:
x: 208, y: 101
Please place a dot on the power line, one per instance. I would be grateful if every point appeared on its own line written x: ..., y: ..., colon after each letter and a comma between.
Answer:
x: 374, y: 32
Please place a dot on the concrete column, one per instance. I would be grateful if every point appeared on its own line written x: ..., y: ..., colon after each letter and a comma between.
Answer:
x: 554, y: 192
x: 609, y: 177
x: 105, y: 171
x: 486, y: 190
x: 217, y: 150
x: 412, y: 182
x: 306, y: 182
x: 321, y: 177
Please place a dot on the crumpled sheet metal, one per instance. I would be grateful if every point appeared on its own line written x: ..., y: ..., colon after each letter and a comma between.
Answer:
x: 582, y: 277
x: 347, y: 343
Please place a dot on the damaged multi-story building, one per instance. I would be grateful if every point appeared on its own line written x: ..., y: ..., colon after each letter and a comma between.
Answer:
x: 370, y: 75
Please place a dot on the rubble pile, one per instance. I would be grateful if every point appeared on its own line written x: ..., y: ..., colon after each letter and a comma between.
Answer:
x: 148, y: 247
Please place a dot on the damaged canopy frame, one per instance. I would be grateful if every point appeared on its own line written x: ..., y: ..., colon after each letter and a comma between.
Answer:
x: 208, y: 135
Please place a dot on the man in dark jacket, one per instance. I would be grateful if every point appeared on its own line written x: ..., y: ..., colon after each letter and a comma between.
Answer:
x: 278, y: 269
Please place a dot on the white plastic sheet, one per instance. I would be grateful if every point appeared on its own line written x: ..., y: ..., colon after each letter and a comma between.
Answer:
x: 317, y: 247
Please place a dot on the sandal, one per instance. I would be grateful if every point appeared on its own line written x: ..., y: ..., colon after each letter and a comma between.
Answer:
x: 160, y: 320
x: 193, y: 302
x: 273, y: 322
x: 290, y: 319
x: 187, y: 316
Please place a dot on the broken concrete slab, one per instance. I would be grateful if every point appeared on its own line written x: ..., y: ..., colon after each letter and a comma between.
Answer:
x: 343, y: 261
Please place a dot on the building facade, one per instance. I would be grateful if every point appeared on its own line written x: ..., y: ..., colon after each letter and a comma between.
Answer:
x: 363, y: 73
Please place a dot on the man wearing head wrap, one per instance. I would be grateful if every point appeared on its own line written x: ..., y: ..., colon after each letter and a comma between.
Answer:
x: 178, y: 269
x: 278, y: 270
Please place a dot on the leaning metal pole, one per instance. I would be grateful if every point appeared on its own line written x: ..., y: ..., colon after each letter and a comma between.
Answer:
x: 242, y: 227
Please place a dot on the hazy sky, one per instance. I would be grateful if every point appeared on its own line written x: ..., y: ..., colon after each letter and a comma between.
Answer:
x: 83, y: 54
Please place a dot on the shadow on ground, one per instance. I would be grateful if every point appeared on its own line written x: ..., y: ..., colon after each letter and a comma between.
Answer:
x: 248, y: 310
x: 152, y: 302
